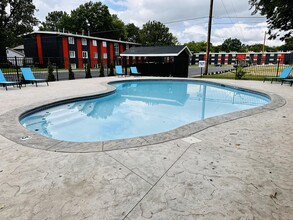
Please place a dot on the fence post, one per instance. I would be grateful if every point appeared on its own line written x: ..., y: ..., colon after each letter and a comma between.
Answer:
x: 16, y: 65
x: 278, y: 67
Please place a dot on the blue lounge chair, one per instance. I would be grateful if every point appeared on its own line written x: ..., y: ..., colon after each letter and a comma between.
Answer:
x: 290, y: 80
x: 119, y: 71
x: 133, y: 71
x: 6, y: 83
x: 29, y: 76
x: 284, y: 75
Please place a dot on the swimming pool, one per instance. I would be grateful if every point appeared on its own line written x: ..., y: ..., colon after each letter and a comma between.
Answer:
x: 139, y: 108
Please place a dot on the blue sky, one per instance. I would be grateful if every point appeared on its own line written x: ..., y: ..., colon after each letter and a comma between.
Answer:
x: 187, y: 19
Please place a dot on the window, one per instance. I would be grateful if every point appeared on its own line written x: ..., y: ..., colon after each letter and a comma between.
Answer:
x: 84, y: 54
x: 70, y: 40
x: 95, y: 43
x: 73, y: 65
x: 105, y: 56
x: 72, y: 54
x: 83, y: 41
x: 95, y: 55
x: 116, y: 49
x: 104, y: 44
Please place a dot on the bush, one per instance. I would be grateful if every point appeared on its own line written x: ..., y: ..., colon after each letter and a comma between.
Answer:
x: 102, y: 74
x: 240, y: 72
x: 88, y: 70
x: 51, y: 76
x: 71, y: 73
x: 111, y: 69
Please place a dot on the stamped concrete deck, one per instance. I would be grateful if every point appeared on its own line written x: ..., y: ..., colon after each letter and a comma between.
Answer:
x: 240, y: 168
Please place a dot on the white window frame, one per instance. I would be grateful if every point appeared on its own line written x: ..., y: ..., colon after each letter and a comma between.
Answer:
x: 84, y: 41
x: 104, y: 44
x: 105, y: 56
x: 71, y: 54
x: 116, y: 49
x: 85, y: 54
x: 95, y: 43
x: 70, y: 40
x: 96, y: 55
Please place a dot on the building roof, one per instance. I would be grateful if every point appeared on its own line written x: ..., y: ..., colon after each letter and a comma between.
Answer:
x: 160, y: 51
x: 79, y: 35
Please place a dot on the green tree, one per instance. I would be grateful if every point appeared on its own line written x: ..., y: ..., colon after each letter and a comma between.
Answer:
x: 231, y: 45
x: 154, y: 33
x: 119, y: 28
x: 93, y: 17
x: 56, y: 20
x: 288, y: 46
x: 279, y: 16
x: 197, y: 46
x: 132, y: 33
x: 111, y: 69
x: 16, y: 18
x: 102, y: 71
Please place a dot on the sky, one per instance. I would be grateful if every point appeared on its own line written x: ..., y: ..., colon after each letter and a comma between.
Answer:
x: 186, y: 19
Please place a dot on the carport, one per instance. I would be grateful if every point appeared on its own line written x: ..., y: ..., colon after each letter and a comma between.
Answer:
x: 159, y: 61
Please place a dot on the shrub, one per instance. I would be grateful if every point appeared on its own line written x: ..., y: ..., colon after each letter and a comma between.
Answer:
x: 240, y: 72
x: 71, y: 73
x: 51, y: 76
x: 88, y: 70
x: 111, y: 69
x: 102, y: 74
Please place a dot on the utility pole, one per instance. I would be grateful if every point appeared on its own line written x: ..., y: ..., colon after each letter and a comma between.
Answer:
x: 209, y: 38
x: 264, y: 43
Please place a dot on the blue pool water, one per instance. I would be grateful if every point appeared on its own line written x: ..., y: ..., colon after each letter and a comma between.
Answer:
x: 139, y: 108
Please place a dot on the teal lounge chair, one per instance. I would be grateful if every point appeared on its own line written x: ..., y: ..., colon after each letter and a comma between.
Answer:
x: 29, y: 76
x: 6, y: 83
x: 284, y: 75
x: 119, y: 71
x: 133, y: 71
x: 290, y: 80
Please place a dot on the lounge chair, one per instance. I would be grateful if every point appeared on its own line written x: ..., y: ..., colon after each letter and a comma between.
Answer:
x: 29, y: 76
x: 6, y: 83
x: 133, y: 71
x: 284, y: 75
x: 290, y: 80
x: 119, y: 71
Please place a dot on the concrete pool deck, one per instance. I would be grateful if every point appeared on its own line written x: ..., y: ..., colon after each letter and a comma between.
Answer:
x: 237, y: 169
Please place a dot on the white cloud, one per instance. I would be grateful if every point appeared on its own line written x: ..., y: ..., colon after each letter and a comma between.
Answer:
x: 238, y: 22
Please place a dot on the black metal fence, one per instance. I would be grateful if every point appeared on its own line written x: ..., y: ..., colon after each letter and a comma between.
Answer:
x: 252, y: 72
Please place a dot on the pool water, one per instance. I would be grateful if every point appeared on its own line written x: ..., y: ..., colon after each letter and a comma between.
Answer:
x: 139, y: 108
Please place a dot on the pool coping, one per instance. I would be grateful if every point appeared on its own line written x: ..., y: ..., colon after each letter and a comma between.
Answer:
x: 11, y: 128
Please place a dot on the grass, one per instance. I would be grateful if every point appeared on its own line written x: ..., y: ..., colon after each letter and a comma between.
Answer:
x: 253, y: 73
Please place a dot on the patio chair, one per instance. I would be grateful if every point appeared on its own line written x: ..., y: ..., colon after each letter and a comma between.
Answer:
x: 29, y: 76
x: 6, y: 83
x: 284, y: 75
x: 134, y: 72
x: 290, y: 80
x: 119, y: 71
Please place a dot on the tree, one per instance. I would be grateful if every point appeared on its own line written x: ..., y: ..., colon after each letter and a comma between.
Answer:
x: 154, y: 33
x: 102, y: 74
x: 231, y: 45
x: 132, y: 33
x: 56, y: 20
x: 279, y: 16
x: 94, y: 18
x: 70, y: 73
x: 16, y: 18
x: 197, y: 46
x: 119, y: 28
x: 88, y: 70
x: 288, y: 46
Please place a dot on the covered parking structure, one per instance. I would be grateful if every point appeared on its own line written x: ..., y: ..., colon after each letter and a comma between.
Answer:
x: 160, y: 60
